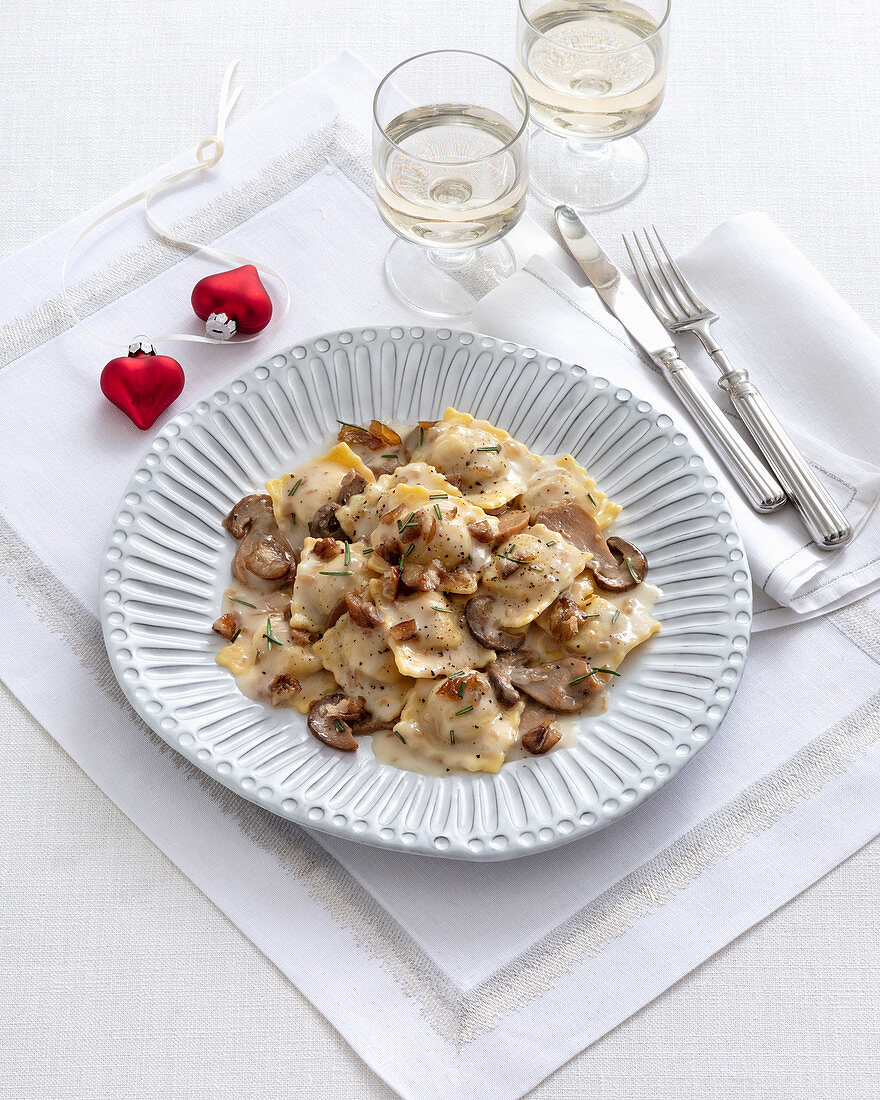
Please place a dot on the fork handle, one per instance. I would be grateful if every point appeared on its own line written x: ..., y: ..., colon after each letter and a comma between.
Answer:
x: 759, y: 486
x: 826, y: 524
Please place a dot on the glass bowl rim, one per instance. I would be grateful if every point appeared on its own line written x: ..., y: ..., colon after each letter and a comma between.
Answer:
x: 617, y: 49
x: 523, y: 128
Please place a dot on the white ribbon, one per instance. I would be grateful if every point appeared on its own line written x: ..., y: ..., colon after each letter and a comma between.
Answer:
x: 208, y: 152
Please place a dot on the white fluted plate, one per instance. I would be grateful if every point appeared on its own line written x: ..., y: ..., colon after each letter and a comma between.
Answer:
x: 167, y: 559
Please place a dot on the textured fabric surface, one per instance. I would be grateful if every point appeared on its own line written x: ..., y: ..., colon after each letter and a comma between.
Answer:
x: 100, y: 1001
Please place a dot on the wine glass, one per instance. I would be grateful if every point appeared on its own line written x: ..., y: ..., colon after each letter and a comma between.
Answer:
x: 594, y: 72
x: 450, y: 163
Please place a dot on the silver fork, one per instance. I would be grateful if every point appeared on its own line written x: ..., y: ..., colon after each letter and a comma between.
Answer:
x: 677, y: 306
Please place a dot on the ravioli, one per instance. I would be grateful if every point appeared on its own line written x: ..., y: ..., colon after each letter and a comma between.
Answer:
x: 359, y: 516
x: 323, y: 577
x: 529, y: 572
x: 488, y: 465
x: 615, y: 623
x: 457, y: 723
x: 363, y: 665
x: 564, y: 481
x: 297, y: 496
x: 437, y: 642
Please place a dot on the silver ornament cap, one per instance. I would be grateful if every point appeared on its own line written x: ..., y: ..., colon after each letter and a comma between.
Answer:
x: 219, y: 326
x: 141, y: 345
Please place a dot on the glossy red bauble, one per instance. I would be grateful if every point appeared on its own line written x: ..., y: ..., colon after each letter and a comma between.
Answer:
x: 239, y: 294
x: 142, y: 385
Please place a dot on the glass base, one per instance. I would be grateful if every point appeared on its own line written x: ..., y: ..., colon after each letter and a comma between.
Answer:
x: 446, y: 283
x: 590, y: 176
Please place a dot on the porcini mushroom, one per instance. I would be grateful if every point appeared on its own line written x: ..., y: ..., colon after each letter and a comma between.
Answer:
x: 499, y: 677
x: 324, y: 523
x: 616, y: 564
x: 490, y: 634
x: 566, y: 685
x: 331, y: 720
x: 263, y: 554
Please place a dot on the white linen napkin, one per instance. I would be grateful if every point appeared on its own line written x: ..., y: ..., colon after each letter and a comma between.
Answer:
x: 816, y: 362
x: 446, y: 978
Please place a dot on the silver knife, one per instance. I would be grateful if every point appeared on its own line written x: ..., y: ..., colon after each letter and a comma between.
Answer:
x: 758, y: 484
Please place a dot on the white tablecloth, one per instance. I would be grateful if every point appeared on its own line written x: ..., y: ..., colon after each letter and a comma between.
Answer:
x: 119, y: 978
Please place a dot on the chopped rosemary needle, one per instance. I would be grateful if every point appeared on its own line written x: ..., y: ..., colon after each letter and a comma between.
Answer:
x: 452, y: 737
x: 461, y: 689
x: 347, y: 554
x: 632, y: 571
x: 347, y: 424
x: 607, y: 671
x: 409, y: 522
x: 395, y: 457
x: 409, y: 550
x: 369, y: 550
x: 438, y: 512
x: 553, y: 543
x: 235, y: 635
x: 438, y: 496
x: 421, y: 435
x: 445, y: 610
x: 592, y: 501
x: 234, y: 599
x: 464, y: 710
x: 397, y: 733
x: 292, y: 492
x: 335, y: 572
x: 339, y: 726
x: 578, y: 679
x: 269, y: 636
x: 496, y: 449
x: 614, y: 617
x: 596, y: 616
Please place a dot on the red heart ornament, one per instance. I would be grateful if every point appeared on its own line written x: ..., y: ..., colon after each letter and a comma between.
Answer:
x: 142, y: 384
x: 239, y: 294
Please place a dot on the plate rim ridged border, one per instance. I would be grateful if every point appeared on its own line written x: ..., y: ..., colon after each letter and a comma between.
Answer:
x: 531, y: 807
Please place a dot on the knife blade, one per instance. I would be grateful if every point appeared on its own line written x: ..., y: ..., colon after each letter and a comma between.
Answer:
x: 759, y: 486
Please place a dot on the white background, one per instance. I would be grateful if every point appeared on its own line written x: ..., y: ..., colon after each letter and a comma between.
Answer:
x: 118, y: 979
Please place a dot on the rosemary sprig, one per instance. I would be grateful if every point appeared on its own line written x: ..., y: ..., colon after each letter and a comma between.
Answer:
x: 234, y: 599
x: 464, y: 710
x: 269, y: 636
x: 335, y: 573
x: 397, y: 733
x: 292, y: 492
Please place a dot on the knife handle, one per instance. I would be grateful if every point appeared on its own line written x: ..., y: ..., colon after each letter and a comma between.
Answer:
x: 826, y: 524
x: 759, y: 486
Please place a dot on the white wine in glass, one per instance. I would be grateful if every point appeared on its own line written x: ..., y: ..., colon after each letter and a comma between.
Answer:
x: 594, y: 72
x: 451, y: 176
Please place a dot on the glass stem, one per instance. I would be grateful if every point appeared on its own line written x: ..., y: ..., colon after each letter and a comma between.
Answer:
x: 582, y: 148
x: 450, y: 259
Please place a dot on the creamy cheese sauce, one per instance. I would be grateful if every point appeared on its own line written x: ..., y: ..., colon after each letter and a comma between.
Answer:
x: 378, y: 610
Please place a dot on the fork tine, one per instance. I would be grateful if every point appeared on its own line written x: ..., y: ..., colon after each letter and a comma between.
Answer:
x: 647, y: 291
x: 685, y: 285
x: 669, y: 307
x: 661, y: 267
